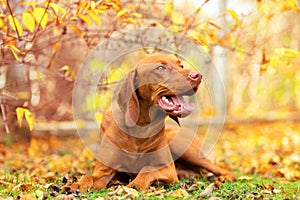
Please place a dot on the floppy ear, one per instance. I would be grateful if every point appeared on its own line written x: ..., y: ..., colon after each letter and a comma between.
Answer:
x: 128, y: 100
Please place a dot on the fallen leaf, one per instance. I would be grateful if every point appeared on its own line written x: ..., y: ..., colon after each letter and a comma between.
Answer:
x: 276, y: 191
x: 130, y: 191
x: 179, y: 193
x: 266, y: 192
x: 245, y: 178
x: 214, y: 198
x: 208, y: 190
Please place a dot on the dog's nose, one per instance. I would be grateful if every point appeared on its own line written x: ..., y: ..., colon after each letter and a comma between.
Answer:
x: 195, y: 76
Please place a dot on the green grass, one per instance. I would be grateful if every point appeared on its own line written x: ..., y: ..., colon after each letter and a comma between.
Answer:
x: 254, y: 187
x: 259, y: 188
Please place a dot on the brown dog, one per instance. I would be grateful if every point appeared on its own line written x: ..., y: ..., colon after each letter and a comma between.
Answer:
x: 134, y: 136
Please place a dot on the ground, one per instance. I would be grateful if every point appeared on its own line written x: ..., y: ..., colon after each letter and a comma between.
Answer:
x: 265, y: 156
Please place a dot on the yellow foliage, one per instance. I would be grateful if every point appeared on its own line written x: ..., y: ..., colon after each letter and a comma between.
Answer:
x: 235, y: 17
x: 287, y: 52
x: 29, y: 117
x: 28, y: 21
x: 289, y: 5
x: 85, y: 18
x: 98, y: 117
x: 66, y: 69
x: 3, y: 25
x: 137, y: 15
x: 122, y: 13
x: 95, y: 17
x: 57, y: 9
x: 169, y: 9
x: 55, y: 47
x: 177, y: 18
x: 76, y: 30
x: 15, y: 24
x: 41, y: 16
x: 14, y: 51
x: 20, y: 114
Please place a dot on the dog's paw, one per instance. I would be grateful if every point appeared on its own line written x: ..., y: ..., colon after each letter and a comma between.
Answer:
x: 86, y: 183
x: 225, y: 178
x: 138, y: 186
x: 71, y: 188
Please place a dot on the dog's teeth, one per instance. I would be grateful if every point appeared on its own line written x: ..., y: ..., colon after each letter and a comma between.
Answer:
x: 168, y: 101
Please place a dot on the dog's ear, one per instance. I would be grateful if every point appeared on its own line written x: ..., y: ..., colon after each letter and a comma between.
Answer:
x: 128, y: 100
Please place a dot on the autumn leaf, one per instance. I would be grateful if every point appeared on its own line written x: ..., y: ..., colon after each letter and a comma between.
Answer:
x: 177, y: 18
x: 3, y: 25
x: 179, y: 193
x: 137, y: 15
x: 20, y: 113
x: 85, y: 18
x: 98, y: 117
x: 92, y: 5
x: 287, y: 52
x: 235, y: 17
x: 55, y: 47
x: 122, y: 13
x: 169, y: 9
x: 76, y: 30
x: 29, y: 117
x: 57, y: 9
x: 28, y: 21
x: 66, y: 69
x: 15, y: 51
x: 15, y: 24
x: 41, y: 16
x: 208, y: 190
x: 96, y: 18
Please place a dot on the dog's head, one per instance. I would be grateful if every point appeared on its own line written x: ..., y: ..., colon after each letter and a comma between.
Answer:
x: 159, y: 80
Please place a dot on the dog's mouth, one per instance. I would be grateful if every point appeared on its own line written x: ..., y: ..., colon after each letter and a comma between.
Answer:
x: 175, y: 105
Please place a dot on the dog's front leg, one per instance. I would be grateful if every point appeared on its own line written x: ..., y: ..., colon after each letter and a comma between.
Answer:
x: 98, y: 180
x: 149, y: 174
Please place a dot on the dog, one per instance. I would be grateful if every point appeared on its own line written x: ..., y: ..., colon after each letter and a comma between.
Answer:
x: 134, y: 136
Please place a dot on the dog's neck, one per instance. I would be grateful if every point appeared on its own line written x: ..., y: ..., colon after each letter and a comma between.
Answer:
x: 150, y: 113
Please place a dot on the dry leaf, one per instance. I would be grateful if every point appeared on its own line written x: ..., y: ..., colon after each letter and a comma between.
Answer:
x: 208, y: 190
x: 179, y: 193
x: 245, y: 178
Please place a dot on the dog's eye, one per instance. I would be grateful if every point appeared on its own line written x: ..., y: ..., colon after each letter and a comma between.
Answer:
x: 181, y: 66
x: 161, y: 67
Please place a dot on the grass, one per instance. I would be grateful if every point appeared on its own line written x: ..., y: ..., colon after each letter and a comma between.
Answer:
x: 247, y: 187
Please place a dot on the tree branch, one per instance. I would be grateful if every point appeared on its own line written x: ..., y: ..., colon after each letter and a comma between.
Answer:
x: 13, y: 18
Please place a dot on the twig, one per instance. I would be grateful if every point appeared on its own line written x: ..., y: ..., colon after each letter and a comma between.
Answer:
x: 48, y: 4
x: 4, y: 118
x: 39, y: 24
x: 13, y: 18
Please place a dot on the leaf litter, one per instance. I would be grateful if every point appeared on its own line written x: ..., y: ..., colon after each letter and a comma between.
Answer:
x: 39, y: 170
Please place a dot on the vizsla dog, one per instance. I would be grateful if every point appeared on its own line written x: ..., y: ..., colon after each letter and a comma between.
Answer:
x: 135, y: 138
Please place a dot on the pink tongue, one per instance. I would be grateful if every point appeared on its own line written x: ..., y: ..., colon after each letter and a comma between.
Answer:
x: 179, y: 100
